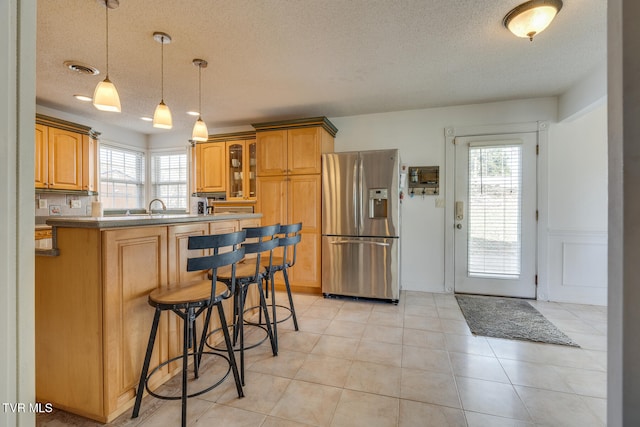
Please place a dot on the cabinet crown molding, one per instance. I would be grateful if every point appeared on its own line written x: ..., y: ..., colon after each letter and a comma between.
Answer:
x: 41, y: 119
x: 234, y: 136
x: 322, y: 122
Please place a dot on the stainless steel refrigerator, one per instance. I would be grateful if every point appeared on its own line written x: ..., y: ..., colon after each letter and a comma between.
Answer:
x: 361, y: 224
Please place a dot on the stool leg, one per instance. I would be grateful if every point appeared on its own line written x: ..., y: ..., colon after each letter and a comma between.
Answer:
x: 263, y: 306
x: 240, y: 327
x: 185, y: 362
x: 293, y: 310
x: 205, y: 331
x: 230, y: 353
x: 145, y: 366
x: 193, y: 343
x: 273, y: 308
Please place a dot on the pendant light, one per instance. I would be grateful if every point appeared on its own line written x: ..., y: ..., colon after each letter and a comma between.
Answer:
x: 162, y: 116
x: 532, y: 17
x: 105, y: 97
x: 200, y: 132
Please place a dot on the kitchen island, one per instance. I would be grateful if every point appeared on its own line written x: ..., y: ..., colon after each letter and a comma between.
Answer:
x: 92, y: 315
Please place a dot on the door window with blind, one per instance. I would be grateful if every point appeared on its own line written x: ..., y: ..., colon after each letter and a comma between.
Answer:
x: 169, y: 172
x: 122, y: 177
x: 495, y: 182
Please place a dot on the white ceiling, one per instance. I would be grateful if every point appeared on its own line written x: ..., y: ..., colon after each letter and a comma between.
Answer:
x: 280, y: 59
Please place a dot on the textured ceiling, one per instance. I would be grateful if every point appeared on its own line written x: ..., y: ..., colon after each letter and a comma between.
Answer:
x: 279, y: 59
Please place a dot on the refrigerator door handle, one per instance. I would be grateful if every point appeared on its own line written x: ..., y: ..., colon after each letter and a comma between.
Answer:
x: 356, y: 187
x: 361, y: 194
x: 361, y: 242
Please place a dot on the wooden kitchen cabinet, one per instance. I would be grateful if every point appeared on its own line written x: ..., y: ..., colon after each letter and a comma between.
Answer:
x: 289, y: 157
x: 210, y: 167
x: 241, y: 169
x: 292, y: 151
x: 65, y: 155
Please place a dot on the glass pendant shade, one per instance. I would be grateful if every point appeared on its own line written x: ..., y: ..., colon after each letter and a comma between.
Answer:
x: 162, y: 117
x: 200, y: 132
x: 531, y: 18
x: 105, y: 97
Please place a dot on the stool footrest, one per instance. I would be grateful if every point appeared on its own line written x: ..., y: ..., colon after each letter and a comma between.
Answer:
x: 179, y: 358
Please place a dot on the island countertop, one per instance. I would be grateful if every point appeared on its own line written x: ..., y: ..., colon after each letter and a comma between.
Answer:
x: 136, y: 220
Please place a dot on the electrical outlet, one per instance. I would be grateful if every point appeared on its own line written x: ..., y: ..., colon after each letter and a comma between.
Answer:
x: 42, y: 204
x: 76, y: 204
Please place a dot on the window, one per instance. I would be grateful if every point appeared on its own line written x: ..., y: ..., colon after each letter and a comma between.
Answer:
x: 495, y: 184
x: 121, y: 177
x: 169, y: 178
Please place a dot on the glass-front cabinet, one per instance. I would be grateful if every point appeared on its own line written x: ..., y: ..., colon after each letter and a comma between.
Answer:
x: 241, y: 167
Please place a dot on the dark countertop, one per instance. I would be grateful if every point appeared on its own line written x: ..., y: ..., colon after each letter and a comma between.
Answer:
x: 141, y: 220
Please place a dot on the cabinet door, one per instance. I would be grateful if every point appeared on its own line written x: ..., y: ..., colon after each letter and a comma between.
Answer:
x: 271, y: 153
x: 250, y: 170
x: 42, y: 140
x: 89, y: 163
x: 137, y: 260
x: 235, y: 157
x: 211, y: 167
x: 65, y: 159
x: 304, y: 206
x: 304, y: 151
x: 272, y: 203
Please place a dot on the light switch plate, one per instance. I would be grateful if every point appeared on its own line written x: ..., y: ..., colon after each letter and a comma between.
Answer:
x: 439, y: 203
x: 76, y: 204
x: 42, y: 204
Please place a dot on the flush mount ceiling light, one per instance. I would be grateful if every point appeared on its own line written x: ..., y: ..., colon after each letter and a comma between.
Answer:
x: 83, y: 98
x: 105, y: 97
x: 532, y: 17
x: 162, y: 115
x: 200, y: 132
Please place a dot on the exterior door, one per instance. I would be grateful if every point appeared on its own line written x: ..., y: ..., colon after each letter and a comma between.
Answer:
x: 495, y: 215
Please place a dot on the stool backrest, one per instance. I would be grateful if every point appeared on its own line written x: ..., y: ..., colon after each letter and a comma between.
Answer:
x: 217, y: 260
x: 264, y: 240
x: 290, y: 236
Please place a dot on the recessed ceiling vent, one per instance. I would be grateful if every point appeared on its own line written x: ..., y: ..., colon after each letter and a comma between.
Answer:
x: 81, y: 68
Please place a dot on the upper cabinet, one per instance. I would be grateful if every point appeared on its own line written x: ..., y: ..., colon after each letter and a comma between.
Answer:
x: 209, y: 164
x: 293, y: 148
x: 65, y: 156
x: 227, y: 163
x: 241, y: 169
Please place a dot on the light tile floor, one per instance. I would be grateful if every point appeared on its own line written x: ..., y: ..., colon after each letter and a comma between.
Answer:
x: 360, y: 363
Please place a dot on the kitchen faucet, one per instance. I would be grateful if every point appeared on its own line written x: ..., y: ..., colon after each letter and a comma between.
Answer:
x: 164, y: 207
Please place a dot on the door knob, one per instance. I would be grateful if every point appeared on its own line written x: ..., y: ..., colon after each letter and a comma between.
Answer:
x: 459, y: 226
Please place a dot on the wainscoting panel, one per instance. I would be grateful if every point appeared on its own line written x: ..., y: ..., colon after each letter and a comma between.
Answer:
x: 577, y: 267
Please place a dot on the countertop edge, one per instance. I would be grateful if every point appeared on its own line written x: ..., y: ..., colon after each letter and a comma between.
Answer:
x: 137, y: 221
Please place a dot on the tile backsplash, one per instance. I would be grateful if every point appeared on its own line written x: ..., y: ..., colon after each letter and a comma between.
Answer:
x: 54, y: 204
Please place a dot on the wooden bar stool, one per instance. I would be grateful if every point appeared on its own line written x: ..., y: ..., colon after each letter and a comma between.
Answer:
x: 189, y: 301
x: 249, y: 272
x: 289, y: 237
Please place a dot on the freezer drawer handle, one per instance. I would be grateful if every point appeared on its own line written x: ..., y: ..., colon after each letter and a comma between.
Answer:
x: 362, y: 242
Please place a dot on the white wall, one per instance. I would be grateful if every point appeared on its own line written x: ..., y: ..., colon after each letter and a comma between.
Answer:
x: 577, y: 209
x: 17, y: 291
x: 419, y: 134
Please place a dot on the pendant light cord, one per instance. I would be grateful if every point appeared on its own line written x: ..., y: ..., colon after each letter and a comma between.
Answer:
x: 106, y: 7
x: 162, y: 69
x: 200, y: 90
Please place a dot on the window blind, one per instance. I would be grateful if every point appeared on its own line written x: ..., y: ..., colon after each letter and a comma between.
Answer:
x: 494, y: 211
x: 121, y: 178
x: 169, y: 179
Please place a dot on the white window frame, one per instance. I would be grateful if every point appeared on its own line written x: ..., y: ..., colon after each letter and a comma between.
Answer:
x: 150, y: 190
x: 142, y: 172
